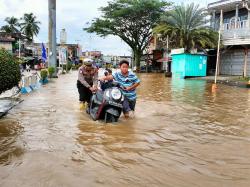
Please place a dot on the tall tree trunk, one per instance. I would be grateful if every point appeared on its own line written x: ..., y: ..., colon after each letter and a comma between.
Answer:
x: 138, y: 55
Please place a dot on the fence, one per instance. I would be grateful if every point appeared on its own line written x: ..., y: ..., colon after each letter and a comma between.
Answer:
x: 30, y: 83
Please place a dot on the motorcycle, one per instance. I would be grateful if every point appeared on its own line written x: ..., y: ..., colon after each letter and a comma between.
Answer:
x: 107, y: 104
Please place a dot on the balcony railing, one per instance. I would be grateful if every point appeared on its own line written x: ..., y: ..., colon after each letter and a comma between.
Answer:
x: 236, y: 25
x: 236, y: 30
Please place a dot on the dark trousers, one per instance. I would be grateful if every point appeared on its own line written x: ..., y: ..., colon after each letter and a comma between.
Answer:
x: 84, y: 92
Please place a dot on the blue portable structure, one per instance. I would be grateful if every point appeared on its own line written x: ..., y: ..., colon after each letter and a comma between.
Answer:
x: 189, y: 65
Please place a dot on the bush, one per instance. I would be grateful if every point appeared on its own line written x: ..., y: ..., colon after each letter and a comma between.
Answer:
x: 51, y: 71
x: 20, y: 61
x: 44, y: 74
x: 10, y: 74
x: 68, y: 66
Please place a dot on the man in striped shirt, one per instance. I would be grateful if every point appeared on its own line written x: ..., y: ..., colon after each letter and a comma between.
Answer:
x: 129, y: 82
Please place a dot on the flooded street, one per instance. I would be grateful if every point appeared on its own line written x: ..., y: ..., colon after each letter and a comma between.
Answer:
x: 183, y: 135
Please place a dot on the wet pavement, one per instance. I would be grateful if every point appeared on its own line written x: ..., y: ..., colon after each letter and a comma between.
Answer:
x: 184, y: 134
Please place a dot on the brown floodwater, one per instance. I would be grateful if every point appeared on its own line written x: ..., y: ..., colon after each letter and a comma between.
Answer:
x: 183, y: 134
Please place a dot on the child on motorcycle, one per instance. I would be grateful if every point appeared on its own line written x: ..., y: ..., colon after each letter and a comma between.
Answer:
x: 107, y: 83
x: 129, y: 82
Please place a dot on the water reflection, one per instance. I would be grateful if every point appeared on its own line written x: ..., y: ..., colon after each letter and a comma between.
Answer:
x: 189, y: 91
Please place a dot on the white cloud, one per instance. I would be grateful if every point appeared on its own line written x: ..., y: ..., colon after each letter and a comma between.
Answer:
x: 71, y: 15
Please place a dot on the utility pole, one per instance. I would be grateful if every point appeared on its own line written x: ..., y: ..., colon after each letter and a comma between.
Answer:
x: 245, y: 5
x: 167, y: 64
x: 52, y: 34
x: 245, y: 62
x: 218, y: 50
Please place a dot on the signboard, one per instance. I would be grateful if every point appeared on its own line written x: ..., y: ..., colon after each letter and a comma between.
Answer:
x: 177, y: 51
x: 63, y: 55
x: 63, y: 36
x: 79, y: 50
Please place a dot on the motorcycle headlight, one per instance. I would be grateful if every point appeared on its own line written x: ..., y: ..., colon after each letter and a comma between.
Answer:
x: 116, y: 94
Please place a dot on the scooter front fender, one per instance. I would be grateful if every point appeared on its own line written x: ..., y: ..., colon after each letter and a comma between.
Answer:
x: 113, y: 111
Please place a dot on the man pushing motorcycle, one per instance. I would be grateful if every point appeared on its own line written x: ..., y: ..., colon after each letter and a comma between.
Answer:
x: 87, y: 82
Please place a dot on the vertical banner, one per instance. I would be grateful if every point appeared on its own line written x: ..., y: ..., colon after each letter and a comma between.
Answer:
x: 62, y: 56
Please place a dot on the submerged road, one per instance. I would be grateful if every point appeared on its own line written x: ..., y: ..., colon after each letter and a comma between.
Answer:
x: 183, y: 135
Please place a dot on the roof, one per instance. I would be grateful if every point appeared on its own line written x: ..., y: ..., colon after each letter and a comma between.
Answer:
x: 225, y: 5
x: 13, y: 35
x: 3, y: 39
x: 197, y: 54
x: 125, y: 56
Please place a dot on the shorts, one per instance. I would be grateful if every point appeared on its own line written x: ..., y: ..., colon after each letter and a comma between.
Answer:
x: 128, y: 105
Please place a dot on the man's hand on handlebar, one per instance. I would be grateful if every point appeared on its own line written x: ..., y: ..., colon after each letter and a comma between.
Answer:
x: 93, y: 89
x: 102, y: 79
x: 127, y: 88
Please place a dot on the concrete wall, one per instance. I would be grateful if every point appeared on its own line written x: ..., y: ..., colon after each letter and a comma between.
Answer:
x: 6, y: 45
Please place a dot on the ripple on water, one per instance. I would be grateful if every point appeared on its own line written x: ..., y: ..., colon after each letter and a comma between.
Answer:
x: 183, y: 135
x: 9, y: 146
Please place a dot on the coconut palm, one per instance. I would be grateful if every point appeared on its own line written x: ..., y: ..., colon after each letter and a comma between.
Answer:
x: 29, y: 25
x: 185, y: 26
x: 12, y: 25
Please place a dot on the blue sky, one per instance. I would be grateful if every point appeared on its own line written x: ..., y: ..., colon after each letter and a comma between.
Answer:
x: 73, y: 16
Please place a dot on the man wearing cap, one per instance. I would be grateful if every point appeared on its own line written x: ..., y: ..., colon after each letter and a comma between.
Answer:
x: 87, y: 82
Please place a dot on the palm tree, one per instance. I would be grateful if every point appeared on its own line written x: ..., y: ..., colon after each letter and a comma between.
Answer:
x: 185, y: 26
x: 29, y: 25
x: 12, y: 25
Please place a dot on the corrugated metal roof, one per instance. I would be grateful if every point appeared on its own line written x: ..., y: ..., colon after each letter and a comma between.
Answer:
x: 225, y: 5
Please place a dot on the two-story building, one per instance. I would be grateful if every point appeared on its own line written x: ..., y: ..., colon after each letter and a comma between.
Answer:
x: 235, y: 31
x: 156, y: 55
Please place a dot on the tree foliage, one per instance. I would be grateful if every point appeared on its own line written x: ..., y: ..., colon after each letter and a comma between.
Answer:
x: 12, y: 25
x: 185, y: 26
x: 9, y: 71
x: 131, y: 20
x: 29, y: 25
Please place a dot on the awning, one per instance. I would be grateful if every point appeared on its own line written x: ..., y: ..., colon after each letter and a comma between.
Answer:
x: 28, y: 58
x: 165, y: 59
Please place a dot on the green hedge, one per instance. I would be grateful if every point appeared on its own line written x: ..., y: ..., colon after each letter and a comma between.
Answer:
x: 10, y: 74
x: 44, y: 74
x: 51, y: 71
x: 68, y: 66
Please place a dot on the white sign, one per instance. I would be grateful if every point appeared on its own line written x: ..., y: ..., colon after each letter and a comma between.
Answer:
x: 177, y: 51
x: 63, y: 55
x: 63, y: 36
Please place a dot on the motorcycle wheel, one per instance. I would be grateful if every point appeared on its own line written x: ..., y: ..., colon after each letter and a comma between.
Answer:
x: 109, y: 118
